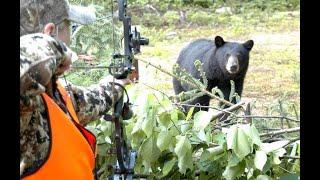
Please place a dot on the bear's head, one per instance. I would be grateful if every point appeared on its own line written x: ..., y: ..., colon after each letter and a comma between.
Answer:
x: 232, y: 57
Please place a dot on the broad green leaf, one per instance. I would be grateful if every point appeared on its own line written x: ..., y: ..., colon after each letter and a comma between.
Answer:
x: 276, y: 154
x: 138, y: 125
x: 212, y: 154
x: 269, y: 147
x: 267, y: 166
x: 164, y: 140
x: 215, y: 150
x: 209, y: 135
x: 181, y: 115
x: 150, y: 101
x: 185, y: 162
x: 184, y: 125
x: 252, y: 133
x: 143, y: 102
x: 165, y: 119
x: 172, y: 143
x: 205, y: 155
x: 231, y: 173
x: 105, y: 127
x: 250, y: 161
x: 250, y: 174
x: 189, y: 115
x: 166, y: 104
x: 280, y: 152
x: 219, y: 138
x: 247, y: 131
x: 263, y: 177
x: 275, y: 159
x: 174, y: 115
x: 183, y: 145
x: 255, y: 135
x: 202, y: 135
x: 194, y: 139
x: 243, y: 146
x: 183, y: 151
x: 239, y: 142
x: 201, y: 120
x: 128, y: 128
x: 234, y: 160
x: 231, y: 136
x: 174, y: 131
x: 149, y: 151
x: 149, y: 122
x: 138, y: 165
x: 107, y: 139
x: 137, y: 138
x: 168, y: 166
x: 260, y: 159
x: 100, y: 139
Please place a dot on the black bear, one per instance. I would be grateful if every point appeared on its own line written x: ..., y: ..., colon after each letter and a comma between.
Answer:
x: 222, y: 61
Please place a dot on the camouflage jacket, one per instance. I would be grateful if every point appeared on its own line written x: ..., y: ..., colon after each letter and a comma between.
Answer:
x: 41, y: 57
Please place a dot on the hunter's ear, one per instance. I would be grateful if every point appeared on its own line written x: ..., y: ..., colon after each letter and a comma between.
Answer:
x: 49, y: 29
x: 248, y: 44
x: 219, y: 41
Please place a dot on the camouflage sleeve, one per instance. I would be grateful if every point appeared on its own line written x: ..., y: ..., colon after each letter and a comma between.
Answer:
x: 41, y: 57
x: 93, y: 101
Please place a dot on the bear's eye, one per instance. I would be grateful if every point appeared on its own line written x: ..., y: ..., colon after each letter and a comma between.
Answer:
x: 228, y: 55
x: 239, y: 56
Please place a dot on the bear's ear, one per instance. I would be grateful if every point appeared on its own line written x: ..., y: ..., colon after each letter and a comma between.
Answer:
x: 248, y: 44
x: 219, y: 41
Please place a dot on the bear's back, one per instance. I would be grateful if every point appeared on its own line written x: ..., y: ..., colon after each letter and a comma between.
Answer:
x: 195, y: 50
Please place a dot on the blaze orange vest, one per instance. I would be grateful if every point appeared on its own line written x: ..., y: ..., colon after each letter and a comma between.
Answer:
x: 72, y: 150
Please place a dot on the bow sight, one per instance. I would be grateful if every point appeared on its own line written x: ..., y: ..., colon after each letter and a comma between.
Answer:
x: 132, y: 43
x: 120, y: 68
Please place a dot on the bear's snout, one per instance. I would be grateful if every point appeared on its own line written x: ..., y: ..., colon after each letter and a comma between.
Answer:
x: 232, y: 65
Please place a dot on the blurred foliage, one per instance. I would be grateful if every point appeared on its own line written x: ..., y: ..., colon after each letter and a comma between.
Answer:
x: 100, y: 39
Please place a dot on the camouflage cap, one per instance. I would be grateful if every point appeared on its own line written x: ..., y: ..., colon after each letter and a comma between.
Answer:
x: 35, y: 14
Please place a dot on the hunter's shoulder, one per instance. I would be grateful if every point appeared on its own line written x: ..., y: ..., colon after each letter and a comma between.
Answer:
x: 39, y: 43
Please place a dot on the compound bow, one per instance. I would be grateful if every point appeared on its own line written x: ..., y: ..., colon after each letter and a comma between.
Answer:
x: 120, y: 68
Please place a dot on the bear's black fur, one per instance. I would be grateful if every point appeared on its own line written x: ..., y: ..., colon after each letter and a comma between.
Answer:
x: 222, y: 61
